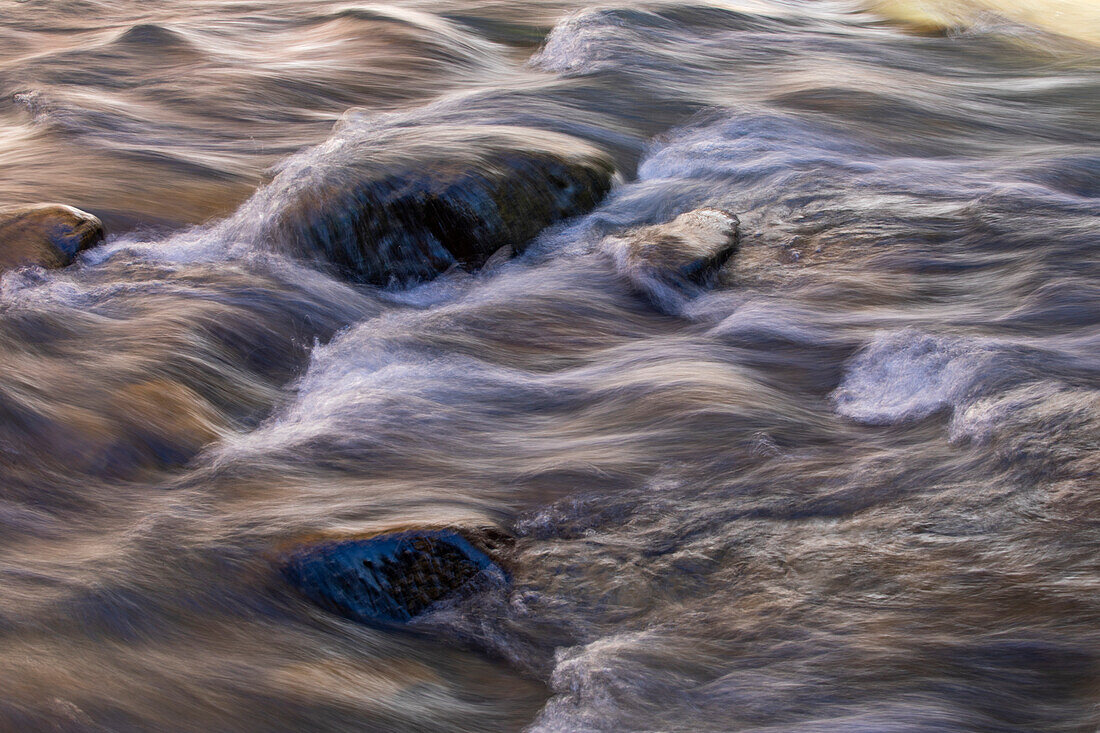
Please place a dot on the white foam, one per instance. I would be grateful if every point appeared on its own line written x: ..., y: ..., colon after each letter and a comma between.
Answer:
x: 907, y: 375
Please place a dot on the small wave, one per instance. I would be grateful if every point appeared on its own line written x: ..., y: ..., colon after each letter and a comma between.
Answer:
x: 155, y: 40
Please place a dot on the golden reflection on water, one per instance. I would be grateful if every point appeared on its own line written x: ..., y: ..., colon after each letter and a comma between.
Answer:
x: 1078, y: 19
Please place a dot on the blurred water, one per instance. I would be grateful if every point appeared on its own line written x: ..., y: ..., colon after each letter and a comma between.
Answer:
x: 850, y: 487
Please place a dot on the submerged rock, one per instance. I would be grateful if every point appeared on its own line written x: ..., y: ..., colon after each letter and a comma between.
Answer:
x: 405, y: 204
x: 49, y: 235
x: 391, y: 578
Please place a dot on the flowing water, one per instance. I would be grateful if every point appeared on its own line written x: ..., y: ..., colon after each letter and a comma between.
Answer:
x: 850, y: 487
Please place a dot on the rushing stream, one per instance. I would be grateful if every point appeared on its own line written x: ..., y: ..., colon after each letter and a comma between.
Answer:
x: 374, y: 267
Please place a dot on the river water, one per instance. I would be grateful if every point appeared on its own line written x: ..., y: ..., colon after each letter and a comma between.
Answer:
x: 852, y: 486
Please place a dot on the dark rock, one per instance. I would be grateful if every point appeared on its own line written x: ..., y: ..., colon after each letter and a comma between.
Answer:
x: 49, y: 235
x: 391, y: 578
x: 402, y: 205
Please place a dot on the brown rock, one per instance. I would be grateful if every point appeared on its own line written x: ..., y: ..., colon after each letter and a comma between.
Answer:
x: 690, y: 247
x: 49, y: 235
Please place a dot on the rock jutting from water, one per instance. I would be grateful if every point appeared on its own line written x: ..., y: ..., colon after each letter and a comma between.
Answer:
x: 400, y: 205
x: 393, y: 578
x: 49, y: 235
x: 676, y: 257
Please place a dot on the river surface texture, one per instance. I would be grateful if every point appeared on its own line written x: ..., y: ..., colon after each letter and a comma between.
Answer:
x: 377, y: 268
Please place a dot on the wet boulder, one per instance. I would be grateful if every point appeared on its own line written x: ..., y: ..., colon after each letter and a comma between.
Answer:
x: 49, y: 235
x: 395, y: 206
x: 392, y: 579
x: 668, y: 260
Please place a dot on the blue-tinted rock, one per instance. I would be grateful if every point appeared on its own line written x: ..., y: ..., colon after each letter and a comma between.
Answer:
x: 390, y: 579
